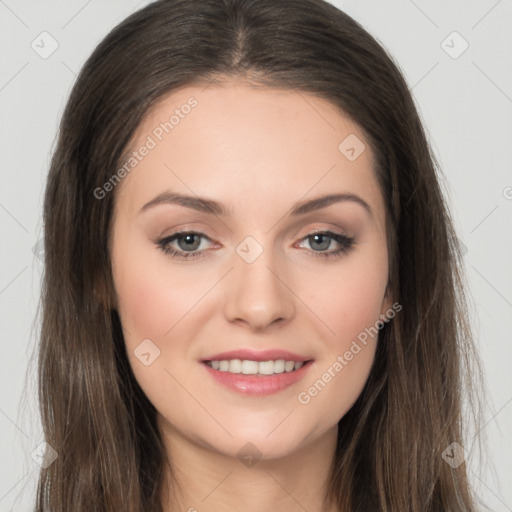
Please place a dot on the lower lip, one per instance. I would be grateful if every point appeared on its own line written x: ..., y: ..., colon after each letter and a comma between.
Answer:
x: 255, y: 385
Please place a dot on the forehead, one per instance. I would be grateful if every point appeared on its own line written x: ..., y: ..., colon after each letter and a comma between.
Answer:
x: 234, y: 114
x: 239, y: 143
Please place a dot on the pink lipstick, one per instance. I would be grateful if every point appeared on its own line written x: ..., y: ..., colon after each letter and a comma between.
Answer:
x: 257, y: 373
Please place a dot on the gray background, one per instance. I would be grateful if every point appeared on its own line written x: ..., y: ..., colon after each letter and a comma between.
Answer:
x: 465, y: 100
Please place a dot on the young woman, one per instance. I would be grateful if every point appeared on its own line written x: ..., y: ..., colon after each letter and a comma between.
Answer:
x: 252, y: 297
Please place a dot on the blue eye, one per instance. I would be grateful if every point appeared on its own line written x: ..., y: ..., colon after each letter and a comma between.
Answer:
x: 191, y: 240
x: 189, y: 243
x: 319, y: 238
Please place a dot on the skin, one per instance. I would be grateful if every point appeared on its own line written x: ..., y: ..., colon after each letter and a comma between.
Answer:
x: 258, y: 151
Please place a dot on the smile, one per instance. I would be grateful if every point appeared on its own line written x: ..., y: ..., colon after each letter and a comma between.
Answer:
x: 256, y: 378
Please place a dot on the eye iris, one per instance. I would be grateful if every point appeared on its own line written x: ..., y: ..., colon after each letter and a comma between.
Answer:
x: 189, y: 237
x: 325, y: 244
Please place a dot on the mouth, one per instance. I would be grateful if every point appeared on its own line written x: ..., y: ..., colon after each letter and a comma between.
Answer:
x: 257, y: 374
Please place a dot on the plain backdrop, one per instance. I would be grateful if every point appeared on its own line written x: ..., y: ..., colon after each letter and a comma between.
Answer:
x: 455, y: 55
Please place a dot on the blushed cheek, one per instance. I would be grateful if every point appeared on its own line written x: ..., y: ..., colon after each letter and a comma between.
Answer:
x: 357, y: 314
x: 350, y: 303
x: 350, y: 313
x: 359, y: 309
x: 149, y: 302
x: 148, y: 309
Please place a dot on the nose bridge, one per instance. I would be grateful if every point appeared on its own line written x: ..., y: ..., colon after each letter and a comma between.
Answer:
x: 257, y: 292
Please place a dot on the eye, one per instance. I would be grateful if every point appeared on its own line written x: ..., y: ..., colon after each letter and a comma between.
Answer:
x: 322, y: 240
x: 190, y: 241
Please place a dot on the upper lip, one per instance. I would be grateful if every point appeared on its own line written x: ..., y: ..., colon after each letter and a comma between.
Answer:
x: 252, y: 355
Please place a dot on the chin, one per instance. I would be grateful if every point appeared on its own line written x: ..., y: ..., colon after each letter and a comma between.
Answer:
x: 262, y: 441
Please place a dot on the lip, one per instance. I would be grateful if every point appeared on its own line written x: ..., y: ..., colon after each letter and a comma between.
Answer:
x: 262, y: 355
x: 255, y: 385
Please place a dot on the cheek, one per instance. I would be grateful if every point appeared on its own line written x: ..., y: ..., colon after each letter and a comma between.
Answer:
x: 151, y: 301
x: 347, y: 298
x: 350, y: 303
x: 150, y: 308
x: 146, y: 308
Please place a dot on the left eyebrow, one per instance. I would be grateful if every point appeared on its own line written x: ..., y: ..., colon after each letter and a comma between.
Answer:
x: 206, y: 205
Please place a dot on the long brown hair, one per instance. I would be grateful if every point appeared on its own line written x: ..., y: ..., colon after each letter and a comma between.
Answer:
x: 94, y: 414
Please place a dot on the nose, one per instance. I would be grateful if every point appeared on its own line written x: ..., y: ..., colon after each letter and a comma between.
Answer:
x: 258, y: 293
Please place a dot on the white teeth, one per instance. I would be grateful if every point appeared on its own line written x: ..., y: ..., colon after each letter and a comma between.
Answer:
x: 248, y: 367
x: 279, y: 366
x: 266, y: 367
x: 235, y: 366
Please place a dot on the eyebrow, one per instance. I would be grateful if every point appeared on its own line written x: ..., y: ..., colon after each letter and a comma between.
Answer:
x: 203, y: 204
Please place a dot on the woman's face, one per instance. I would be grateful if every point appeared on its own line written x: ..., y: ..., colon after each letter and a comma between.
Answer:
x: 257, y: 278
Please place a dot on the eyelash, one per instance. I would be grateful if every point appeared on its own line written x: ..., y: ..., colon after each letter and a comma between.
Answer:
x: 346, y: 242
